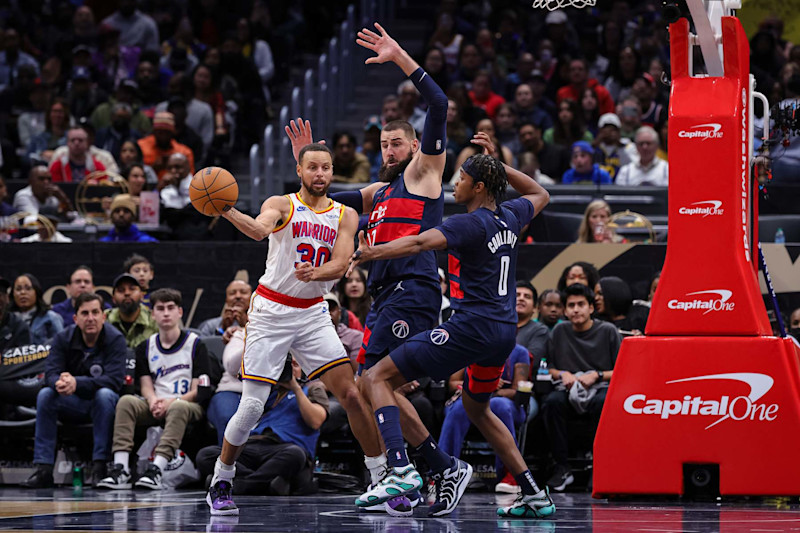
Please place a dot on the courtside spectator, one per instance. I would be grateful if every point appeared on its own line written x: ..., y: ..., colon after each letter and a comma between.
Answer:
x: 143, y: 270
x: 584, y: 170
x: 351, y: 338
x: 129, y: 315
x: 530, y: 333
x: 613, y: 302
x: 581, y: 356
x: 169, y: 398
x: 234, y: 311
x: 794, y: 324
x: 123, y: 213
x: 27, y: 302
x: 649, y: 169
x: 13, y: 330
x: 594, y: 225
x: 578, y: 272
x: 80, y: 281
x: 551, y: 308
x: 85, y: 371
x: 278, y: 457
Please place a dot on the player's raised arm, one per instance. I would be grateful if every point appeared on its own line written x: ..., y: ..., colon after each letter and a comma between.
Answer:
x: 300, y: 135
x: 431, y: 159
x: 525, y: 185
x: 273, y: 210
x: 433, y: 239
x: 334, y: 268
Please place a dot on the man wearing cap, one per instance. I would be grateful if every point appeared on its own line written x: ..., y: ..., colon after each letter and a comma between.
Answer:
x: 158, y: 146
x: 584, y: 169
x: 351, y: 338
x: 610, y: 152
x: 127, y: 92
x: 78, y: 162
x: 85, y: 371
x: 129, y: 315
x: 579, y: 81
x: 349, y: 166
x: 649, y: 170
x: 123, y: 213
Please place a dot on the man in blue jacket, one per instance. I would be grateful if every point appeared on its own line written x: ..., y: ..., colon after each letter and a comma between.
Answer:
x: 84, y: 374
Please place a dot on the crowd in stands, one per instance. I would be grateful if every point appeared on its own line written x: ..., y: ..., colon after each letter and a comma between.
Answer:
x: 572, y: 331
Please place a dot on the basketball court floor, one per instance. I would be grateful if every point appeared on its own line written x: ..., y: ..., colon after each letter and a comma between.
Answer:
x: 90, y: 510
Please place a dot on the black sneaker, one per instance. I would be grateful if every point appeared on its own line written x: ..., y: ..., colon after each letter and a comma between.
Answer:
x: 450, y: 486
x: 560, y: 479
x: 151, y: 479
x: 116, y: 478
x: 42, y: 478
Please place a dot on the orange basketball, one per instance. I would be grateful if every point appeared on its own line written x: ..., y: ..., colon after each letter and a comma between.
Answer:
x: 212, y: 189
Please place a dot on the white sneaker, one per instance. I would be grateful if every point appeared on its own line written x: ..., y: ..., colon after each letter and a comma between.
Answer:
x: 396, y: 482
x: 151, y: 479
x: 450, y: 487
x: 116, y: 478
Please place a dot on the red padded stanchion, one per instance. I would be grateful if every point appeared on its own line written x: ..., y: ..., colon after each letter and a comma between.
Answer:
x: 708, y: 384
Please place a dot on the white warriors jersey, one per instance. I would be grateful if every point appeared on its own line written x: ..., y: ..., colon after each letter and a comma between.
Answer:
x: 305, y: 236
x: 171, y: 368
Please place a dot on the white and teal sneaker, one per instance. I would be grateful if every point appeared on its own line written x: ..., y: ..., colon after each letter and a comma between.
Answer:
x: 529, y: 506
x: 397, y: 482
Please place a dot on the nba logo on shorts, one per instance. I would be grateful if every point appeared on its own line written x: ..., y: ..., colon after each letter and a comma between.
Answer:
x: 400, y: 329
x: 439, y: 336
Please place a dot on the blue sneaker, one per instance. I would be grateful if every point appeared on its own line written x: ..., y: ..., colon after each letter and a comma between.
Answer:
x: 529, y: 506
x: 398, y: 481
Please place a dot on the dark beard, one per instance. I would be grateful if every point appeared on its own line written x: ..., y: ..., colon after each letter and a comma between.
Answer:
x: 319, y: 194
x: 128, y: 308
x: 387, y: 174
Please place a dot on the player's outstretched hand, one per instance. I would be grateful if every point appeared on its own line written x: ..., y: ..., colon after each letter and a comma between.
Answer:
x: 304, y: 272
x: 300, y: 135
x: 383, y: 45
x: 483, y: 140
x: 362, y: 255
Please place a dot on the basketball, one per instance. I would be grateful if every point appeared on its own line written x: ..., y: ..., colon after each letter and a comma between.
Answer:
x: 212, y: 189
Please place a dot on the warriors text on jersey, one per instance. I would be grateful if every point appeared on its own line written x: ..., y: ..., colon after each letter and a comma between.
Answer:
x: 305, y: 236
x: 398, y: 213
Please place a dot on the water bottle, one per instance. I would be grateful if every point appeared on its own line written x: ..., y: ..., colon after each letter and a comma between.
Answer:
x: 543, y: 374
x: 780, y: 237
x: 77, y: 477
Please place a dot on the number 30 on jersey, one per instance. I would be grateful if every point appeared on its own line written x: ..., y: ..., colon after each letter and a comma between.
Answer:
x: 308, y: 254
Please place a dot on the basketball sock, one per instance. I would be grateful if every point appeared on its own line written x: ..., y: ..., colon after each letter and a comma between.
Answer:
x: 376, y: 467
x: 123, y: 458
x: 160, y: 461
x: 437, y: 460
x: 223, y: 472
x: 527, y: 484
x: 389, y: 425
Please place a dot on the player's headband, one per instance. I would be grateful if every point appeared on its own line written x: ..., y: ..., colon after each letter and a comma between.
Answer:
x: 470, y: 166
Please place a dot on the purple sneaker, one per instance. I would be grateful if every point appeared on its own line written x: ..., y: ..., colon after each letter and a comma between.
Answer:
x: 399, y: 506
x: 220, y: 499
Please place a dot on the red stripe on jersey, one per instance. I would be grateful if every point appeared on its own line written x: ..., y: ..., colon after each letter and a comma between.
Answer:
x: 453, y: 266
x: 291, y: 301
x: 455, y: 290
x: 361, y: 358
x: 483, y: 379
x: 389, y: 231
x: 399, y: 208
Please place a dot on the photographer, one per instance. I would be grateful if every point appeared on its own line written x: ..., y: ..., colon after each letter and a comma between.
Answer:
x: 278, y: 457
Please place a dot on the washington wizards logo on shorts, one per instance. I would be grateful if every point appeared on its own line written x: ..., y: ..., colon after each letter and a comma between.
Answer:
x: 439, y: 336
x: 400, y: 329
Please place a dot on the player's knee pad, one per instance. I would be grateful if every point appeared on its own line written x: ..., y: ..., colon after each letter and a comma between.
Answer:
x: 245, y: 418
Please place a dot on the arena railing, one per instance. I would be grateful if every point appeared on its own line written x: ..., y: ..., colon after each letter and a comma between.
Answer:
x: 322, y: 99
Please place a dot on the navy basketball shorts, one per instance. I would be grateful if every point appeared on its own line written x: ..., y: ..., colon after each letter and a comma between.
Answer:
x: 465, y: 341
x: 399, y: 312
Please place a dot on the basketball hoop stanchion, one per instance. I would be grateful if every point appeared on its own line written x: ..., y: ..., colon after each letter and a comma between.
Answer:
x: 709, y: 386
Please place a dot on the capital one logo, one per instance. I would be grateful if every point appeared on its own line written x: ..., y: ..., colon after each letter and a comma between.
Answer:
x: 739, y: 408
x: 702, y: 131
x: 707, y: 303
x: 705, y: 208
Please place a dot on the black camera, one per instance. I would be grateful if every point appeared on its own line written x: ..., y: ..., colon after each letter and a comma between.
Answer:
x: 286, y: 373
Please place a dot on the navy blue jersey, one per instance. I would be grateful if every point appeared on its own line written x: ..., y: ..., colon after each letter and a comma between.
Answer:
x: 398, y: 213
x: 483, y: 258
